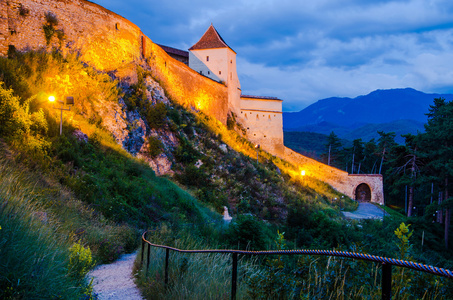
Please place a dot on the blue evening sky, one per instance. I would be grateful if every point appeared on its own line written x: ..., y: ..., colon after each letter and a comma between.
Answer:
x: 306, y: 50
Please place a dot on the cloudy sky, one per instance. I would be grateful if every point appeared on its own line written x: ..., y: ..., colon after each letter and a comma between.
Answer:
x: 305, y: 50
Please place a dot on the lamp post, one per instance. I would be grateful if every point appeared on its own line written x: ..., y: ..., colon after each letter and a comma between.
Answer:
x: 257, y: 147
x: 69, y: 101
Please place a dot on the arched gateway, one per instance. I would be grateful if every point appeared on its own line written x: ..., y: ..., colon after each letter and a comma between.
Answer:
x: 363, y: 193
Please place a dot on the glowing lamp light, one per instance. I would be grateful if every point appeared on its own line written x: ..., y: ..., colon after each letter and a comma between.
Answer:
x: 302, y: 173
x: 69, y: 102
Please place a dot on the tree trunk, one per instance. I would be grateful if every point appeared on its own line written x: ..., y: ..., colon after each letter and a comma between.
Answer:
x: 447, y: 226
x: 382, y: 161
x: 353, y: 154
x: 411, y: 187
x: 410, y: 203
x: 439, y: 211
x: 447, y: 215
x: 328, y: 159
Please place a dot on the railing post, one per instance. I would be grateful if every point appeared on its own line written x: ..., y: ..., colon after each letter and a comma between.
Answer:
x: 148, y: 260
x: 143, y: 247
x: 234, y: 276
x: 167, y: 254
x: 386, y: 281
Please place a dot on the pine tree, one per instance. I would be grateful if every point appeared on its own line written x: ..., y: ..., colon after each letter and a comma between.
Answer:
x: 333, y: 148
x: 385, y: 143
x: 438, y: 149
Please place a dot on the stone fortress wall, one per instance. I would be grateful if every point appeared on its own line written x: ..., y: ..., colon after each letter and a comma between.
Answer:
x: 111, y: 43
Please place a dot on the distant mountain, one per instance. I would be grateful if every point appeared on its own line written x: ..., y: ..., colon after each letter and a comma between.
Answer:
x: 399, y: 110
x: 400, y: 127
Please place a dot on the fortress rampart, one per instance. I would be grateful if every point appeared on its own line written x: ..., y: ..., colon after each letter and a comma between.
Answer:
x: 340, y: 180
x: 110, y: 43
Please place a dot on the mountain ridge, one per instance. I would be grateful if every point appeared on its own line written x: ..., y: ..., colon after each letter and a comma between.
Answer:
x: 349, y: 116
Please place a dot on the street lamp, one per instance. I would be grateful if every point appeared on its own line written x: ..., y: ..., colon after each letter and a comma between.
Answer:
x: 69, y: 101
x: 257, y: 147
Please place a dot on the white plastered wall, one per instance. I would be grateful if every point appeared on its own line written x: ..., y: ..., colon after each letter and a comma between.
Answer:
x: 263, y: 120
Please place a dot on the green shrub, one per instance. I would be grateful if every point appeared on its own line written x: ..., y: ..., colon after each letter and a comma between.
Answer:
x: 154, y: 146
x: 156, y: 115
x: 193, y: 176
x: 247, y: 232
x: 185, y: 152
x: 80, y: 260
x: 13, y: 116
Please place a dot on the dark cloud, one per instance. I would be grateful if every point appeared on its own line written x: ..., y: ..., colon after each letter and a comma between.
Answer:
x: 302, y: 51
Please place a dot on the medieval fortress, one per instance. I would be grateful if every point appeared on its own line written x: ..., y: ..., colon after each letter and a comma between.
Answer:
x: 206, y: 82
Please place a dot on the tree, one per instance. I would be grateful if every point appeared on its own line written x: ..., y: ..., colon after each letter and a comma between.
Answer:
x: 438, y: 149
x: 409, y: 166
x: 333, y: 148
x: 369, y: 157
x: 357, y: 155
x: 385, y: 143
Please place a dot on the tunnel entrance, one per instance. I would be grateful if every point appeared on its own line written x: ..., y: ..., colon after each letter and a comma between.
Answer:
x: 363, y: 193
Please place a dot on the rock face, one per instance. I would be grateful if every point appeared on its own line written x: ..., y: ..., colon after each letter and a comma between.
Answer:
x: 133, y: 131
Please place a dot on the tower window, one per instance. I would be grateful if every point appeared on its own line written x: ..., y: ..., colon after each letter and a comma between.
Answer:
x: 207, y: 58
x: 220, y: 72
x: 209, y: 72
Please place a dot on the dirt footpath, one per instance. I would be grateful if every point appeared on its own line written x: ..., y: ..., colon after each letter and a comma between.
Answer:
x: 366, y: 211
x: 115, y: 281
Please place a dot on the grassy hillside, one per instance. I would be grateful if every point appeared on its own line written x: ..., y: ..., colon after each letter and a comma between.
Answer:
x: 81, y: 190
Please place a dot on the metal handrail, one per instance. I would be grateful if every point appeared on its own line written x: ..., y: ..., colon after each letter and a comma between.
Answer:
x: 385, y: 261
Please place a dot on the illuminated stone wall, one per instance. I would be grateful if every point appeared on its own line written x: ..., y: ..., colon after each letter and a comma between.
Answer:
x: 338, y: 179
x: 109, y: 43
x: 3, y: 26
x: 104, y: 39
x: 186, y: 86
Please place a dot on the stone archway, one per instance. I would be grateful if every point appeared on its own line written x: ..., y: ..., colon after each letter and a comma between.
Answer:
x: 363, y: 193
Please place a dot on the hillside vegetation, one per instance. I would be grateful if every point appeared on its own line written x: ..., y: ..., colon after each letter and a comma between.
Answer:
x: 72, y: 200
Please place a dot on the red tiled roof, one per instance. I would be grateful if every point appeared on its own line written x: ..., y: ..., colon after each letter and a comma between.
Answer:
x: 210, y: 39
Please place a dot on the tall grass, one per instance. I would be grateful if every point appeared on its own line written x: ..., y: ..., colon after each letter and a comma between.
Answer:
x: 191, y: 276
x: 33, y: 256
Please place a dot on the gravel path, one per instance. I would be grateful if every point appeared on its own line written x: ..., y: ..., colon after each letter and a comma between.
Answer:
x: 115, y: 281
x: 365, y: 211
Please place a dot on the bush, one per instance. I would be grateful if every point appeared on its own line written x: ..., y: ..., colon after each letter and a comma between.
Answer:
x: 80, y: 261
x: 186, y: 153
x: 154, y: 146
x: 156, y: 115
x: 247, y: 232
x: 13, y: 117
